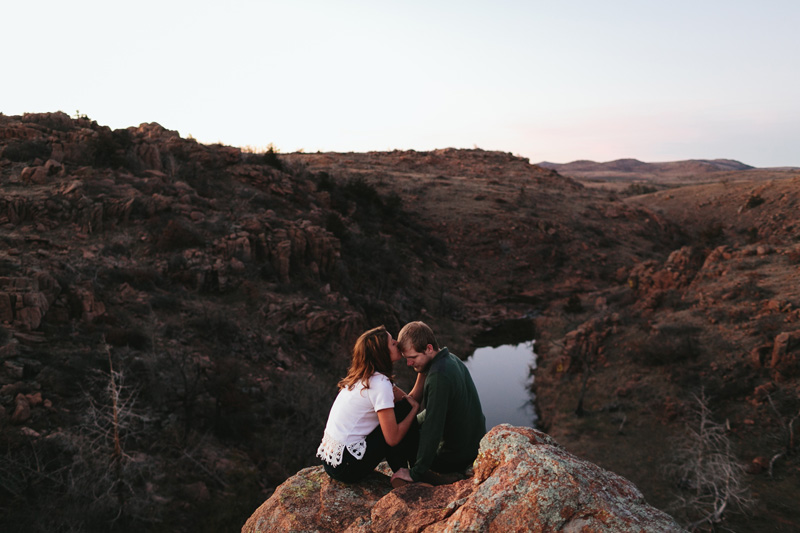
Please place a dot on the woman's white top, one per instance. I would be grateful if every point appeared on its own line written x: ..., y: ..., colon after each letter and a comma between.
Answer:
x: 353, y: 416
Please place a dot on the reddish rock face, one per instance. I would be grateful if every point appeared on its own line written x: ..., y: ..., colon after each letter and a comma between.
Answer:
x: 310, y: 500
x: 523, y: 481
x: 785, y: 354
x: 251, y: 273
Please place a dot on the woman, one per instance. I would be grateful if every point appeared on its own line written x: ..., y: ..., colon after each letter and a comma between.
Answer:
x: 365, y: 425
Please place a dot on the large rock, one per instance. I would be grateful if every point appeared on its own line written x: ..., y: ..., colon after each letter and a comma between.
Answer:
x: 24, y: 301
x: 651, y: 280
x: 524, y: 481
x: 785, y: 355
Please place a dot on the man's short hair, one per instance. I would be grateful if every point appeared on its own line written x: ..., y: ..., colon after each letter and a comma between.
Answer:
x: 416, y: 335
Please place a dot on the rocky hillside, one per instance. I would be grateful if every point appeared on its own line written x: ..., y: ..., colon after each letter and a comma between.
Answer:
x: 174, y: 319
x: 641, y: 304
x: 208, y: 297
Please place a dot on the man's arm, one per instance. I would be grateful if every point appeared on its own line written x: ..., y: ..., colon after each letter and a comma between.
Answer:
x: 419, y: 387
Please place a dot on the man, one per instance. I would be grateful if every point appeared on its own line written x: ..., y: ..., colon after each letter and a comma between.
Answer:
x: 452, y: 422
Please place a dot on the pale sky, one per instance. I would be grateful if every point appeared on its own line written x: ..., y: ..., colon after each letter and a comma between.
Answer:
x: 553, y: 80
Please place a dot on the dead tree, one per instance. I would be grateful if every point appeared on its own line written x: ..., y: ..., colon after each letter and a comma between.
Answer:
x: 586, y: 353
x: 711, y: 479
x: 788, y: 433
x: 109, y: 419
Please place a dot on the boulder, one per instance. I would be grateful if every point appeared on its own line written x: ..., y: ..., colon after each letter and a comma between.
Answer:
x: 36, y: 175
x: 523, y: 481
x: 785, y: 355
x: 25, y: 301
x: 652, y: 280
x: 22, y: 409
x: 312, y: 501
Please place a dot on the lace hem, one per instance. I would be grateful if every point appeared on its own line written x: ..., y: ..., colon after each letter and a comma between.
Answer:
x: 330, y: 450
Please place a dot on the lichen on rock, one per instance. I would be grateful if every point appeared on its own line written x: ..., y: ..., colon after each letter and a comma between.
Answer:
x: 523, y: 481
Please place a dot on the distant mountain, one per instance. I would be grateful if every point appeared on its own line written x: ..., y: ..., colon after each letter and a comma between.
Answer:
x: 622, y: 172
x: 691, y: 166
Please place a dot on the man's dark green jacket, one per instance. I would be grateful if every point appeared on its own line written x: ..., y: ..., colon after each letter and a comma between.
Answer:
x: 452, y: 422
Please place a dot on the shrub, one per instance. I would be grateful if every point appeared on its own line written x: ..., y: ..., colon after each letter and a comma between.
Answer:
x: 204, y: 178
x: 573, y: 305
x: 179, y: 234
x: 670, y: 344
x: 754, y: 200
x: 134, y: 338
x: 710, y: 478
x: 751, y: 235
x: 216, y: 327
x: 299, y: 419
x: 325, y: 182
x: 750, y: 290
x: 140, y: 278
x: 166, y: 302
x: 82, y: 479
x: 363, y: 193
x: 116, y: 249
x: 334, y: 224
x: 712, y: 234
x: 271, y: 158
x: 635, y: 189
x: 26, y: 151
x: 110, y: 149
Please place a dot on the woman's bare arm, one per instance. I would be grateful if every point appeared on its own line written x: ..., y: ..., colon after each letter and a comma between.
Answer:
x: 393, y: 432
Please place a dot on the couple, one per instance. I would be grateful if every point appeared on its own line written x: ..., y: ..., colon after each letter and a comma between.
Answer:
x: 372, y: 419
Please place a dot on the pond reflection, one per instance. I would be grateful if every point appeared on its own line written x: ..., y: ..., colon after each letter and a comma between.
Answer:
x: 503, y: 376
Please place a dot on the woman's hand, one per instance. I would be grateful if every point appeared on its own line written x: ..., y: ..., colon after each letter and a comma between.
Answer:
x: 414, y: 403
x: 398, y: 393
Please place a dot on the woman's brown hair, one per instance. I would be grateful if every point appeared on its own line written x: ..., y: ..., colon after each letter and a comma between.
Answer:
x: 370, y: 355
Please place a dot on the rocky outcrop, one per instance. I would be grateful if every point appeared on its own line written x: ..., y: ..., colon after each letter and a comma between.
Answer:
x: 652, y: 280
x: 583, y: 345
x: 523, y: 481
x: 785, y: 354
x: 24, y: 301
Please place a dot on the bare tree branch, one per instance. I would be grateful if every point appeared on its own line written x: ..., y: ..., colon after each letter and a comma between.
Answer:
x: 707, y: 470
